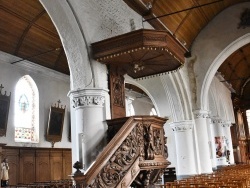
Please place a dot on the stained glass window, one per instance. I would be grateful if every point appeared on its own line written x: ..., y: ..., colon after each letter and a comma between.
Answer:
x: 26, y: 111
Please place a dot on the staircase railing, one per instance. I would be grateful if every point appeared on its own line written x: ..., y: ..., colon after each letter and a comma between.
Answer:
x: 134, y: 155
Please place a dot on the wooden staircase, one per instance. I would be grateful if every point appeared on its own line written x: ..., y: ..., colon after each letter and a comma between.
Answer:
x: 134, y: 155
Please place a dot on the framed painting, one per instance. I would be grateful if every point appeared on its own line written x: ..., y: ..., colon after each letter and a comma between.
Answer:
x: 4, y: 111
x: 55, y: 124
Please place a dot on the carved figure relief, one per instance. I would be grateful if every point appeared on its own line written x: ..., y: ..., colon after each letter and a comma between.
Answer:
x: 149, y: 145
x: 118, y: 90
x: 157, y: 142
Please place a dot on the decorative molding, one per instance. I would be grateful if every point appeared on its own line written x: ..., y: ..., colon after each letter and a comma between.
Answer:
x: 216, y: 120
x: 88, y: 97
x: 182, y: 126
x: 226, y: 124
x: 201, y: 114
x: 88, y: 101
x: 148, y: 164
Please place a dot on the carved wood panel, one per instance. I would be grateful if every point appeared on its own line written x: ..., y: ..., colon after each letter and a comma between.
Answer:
x: 42, y: 165
x: 27, y: 166
x: 67, y: 164
x: 117, y: 93
x: 56, y: 166
x: 37, y: 165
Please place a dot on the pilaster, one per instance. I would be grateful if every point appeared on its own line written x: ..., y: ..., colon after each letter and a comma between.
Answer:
x: 185, y: 151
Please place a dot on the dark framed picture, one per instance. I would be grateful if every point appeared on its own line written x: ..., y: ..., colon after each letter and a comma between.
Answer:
x: 55, y: 124
x: 4, y: 113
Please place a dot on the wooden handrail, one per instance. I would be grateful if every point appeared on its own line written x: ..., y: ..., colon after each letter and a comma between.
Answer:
x: 138, y: 145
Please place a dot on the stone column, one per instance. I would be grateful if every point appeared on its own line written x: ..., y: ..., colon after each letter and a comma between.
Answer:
x: 219, y: 142
x: 212, y: 145
x: 185, y: 153
x: 228, y: 139
x: 129, y: 101
x: 88, y: 135
x: 202, y: 141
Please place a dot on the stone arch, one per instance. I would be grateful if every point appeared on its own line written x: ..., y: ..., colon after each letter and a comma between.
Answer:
x: 131, y: 81
x: 74, y: 43
x: 235, y: 45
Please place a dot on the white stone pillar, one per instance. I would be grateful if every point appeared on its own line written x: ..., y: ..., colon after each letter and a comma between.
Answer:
x: 219, y: 142
x: 90, y: 127
x: 203, y: 148
x: 185, y: 153
x: 212, y: 145
x: 228, y: 139
x: 129, y: 106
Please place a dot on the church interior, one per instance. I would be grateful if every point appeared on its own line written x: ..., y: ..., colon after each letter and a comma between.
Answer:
x: 132, y: 93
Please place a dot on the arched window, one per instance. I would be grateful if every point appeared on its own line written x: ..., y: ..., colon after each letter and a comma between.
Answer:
x: 26, y: 111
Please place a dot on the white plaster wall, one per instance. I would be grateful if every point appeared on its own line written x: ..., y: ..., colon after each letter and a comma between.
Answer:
x: 51, y: 89
x: 142, y: 104
x: 219, y: 39
x: 220, y: 102
x: 82, y: 22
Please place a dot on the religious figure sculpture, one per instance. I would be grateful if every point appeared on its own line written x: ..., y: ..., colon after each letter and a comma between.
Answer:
x: 4, y: 173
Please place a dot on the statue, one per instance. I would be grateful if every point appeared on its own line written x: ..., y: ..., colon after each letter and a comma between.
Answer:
x: 4, y: 173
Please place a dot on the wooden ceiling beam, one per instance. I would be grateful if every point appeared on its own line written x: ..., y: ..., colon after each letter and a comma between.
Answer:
x: 28, y: 21
x: 27, y: 30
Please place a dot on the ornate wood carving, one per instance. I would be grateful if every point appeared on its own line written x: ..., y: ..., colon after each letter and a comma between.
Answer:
x: 117, y: 166
x: 117, y: 92
x: 149, y: 145
x: 141, y: 52
x: 136, y: 150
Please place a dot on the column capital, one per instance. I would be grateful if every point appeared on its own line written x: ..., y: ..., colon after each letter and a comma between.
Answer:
x: 226, y: 124
x: 216, y: 120
x: 88, y: 97
x: 201, y: 114
x: 182, y: 126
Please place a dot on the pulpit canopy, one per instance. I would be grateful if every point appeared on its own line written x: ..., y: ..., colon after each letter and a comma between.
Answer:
x: 141, y: 53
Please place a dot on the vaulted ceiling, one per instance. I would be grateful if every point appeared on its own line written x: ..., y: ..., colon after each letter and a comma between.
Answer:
x: 27, y: 31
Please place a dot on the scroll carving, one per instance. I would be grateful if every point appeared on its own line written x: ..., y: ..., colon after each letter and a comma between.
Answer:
x: 119, y: 163
x: 134, y: 160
